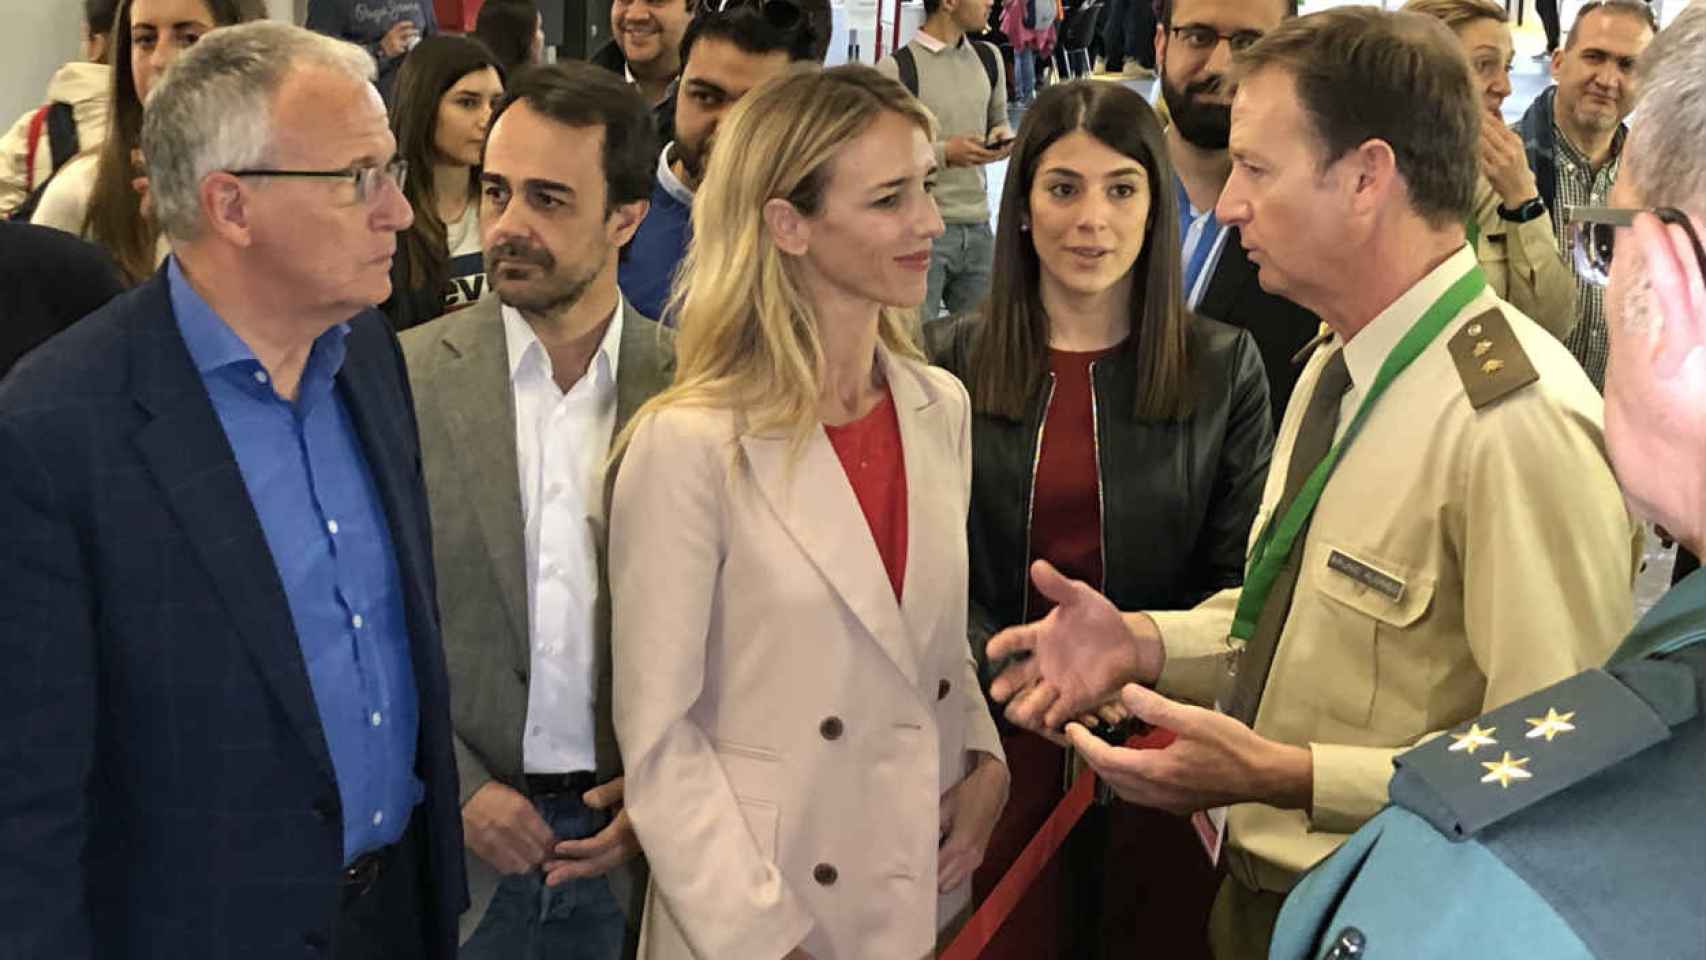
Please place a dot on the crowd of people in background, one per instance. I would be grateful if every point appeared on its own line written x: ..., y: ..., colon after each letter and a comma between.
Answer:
x: 455, y: 503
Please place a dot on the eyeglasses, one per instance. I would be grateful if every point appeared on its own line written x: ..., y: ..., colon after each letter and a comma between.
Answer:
x: 1593, y: 235
x: 1203, y: 39
x: 368, y: 180
x: 781, y: 14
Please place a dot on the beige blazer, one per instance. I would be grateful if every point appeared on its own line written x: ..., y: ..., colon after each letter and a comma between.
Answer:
x: 787, y: 727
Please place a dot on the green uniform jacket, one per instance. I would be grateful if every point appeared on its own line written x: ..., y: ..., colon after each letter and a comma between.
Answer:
x: 1568, y: 824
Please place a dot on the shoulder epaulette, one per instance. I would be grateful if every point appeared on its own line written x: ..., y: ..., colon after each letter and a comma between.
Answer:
x: 1490, y: 360
x: 1503, y: 762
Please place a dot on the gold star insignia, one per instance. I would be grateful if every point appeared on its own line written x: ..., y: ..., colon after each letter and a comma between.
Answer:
x: 1483, y: 348
x: 1492, y: 366
x: 1551, y: 725
x: 1506, y: 770
x: 1473, y: 740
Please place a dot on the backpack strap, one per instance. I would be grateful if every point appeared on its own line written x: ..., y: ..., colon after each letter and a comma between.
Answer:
x: 907, y: 66
x: 990, y: 57
x: 62, y: 133
x: 38, y: 122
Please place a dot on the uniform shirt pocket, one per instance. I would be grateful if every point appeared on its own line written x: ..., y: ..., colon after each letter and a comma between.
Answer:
x: 1370, y: 604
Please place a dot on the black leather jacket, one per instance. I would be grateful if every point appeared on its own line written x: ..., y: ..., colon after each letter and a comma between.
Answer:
x: 1178, y: 497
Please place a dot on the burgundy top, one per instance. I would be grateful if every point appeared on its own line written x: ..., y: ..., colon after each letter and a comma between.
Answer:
x: 1066, y: 500
x: 870, y: 452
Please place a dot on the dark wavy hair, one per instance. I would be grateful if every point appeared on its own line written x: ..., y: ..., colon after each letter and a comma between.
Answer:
x: 115, y: 219
x: 427, y: 74
x: 1009, y: 359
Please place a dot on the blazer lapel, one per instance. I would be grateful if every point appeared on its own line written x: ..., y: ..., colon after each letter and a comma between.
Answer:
x: 933, y: 481
x: 479, y: 411
x: 1231, y: 275
x: 645, y: 367
x: 814, y: 501
x: 185, y: 449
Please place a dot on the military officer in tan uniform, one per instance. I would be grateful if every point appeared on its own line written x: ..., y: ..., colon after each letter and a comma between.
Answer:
x: 1440, y: 532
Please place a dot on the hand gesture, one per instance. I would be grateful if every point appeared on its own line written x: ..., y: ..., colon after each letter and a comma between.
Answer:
x: 1214, y: 760
x: 969, y: 811
x: 502, y: 828
x: 1504, y: 163
x: 1080, y: 655
x: 399, y: 38
x: 603, y: 851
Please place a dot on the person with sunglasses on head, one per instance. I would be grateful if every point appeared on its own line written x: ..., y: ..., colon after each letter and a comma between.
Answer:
x: 1194, y: 48
x: 726, y: 54
x: 233, y: 737
x: 446, y: 93
x: 1573, y: 135
x: 1510, y: 229
x: 100, y: 196
x: 1567, y: 825
x: 1439, y: 534
x: 963, y: 83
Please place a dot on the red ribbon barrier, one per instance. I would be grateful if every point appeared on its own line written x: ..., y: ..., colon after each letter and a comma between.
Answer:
x: 976, y: 935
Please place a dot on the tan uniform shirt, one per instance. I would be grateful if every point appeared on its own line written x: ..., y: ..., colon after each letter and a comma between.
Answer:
x: 1509, y: 557
x: 1524, y: 266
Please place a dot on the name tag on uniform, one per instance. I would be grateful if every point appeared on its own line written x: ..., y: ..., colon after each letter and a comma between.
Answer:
x: 1382, y: 583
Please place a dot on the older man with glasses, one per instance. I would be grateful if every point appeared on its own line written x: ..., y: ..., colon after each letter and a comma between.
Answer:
x: 1567, y: 825
x: 226, y: 729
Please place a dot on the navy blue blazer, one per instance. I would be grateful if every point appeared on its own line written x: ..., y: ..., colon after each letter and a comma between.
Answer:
x: 165, y: 786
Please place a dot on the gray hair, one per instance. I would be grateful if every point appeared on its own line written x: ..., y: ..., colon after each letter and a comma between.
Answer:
x: 1665, y: 138
x: 213, y: 111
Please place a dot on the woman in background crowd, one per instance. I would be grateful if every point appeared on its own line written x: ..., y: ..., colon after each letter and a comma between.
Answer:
x: 1030, y: 26
x: 1511, y: 229
x: 1121, y: 439
x: 99, y: 196
x: 28, y: 151
x: 446, y: 93
x: 811, y: 766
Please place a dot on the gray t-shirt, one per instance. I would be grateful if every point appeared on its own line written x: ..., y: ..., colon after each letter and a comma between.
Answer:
x: 953, y: 85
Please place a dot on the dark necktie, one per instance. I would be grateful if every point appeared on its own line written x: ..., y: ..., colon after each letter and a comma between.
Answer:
x: 1314, y: 439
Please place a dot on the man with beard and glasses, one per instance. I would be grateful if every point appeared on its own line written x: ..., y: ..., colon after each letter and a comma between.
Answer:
x: 518, y: 398
x: 645, y: 44
x: 1194, y: 46
x: 724, y: 55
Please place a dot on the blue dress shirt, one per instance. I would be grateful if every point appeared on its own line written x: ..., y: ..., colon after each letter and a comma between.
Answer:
x: 326, y: 528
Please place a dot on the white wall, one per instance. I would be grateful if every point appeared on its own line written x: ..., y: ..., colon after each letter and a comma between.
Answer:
x: 39, y: 36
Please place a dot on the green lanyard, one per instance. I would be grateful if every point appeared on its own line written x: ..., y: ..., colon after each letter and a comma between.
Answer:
x: 1275, y: 542
x: 1472, y: 228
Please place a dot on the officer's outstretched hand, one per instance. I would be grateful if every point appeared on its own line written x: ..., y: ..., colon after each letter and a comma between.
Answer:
x: 1073, y: 660
x: 1214, y: 761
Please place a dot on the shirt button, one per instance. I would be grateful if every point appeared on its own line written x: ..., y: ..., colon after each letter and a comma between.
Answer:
x: 376, y: 719
x: 332, y: 527
x: 378, y: 817
x: 826, y: 874
x: 831, y: 728
x: 356, y: 621
x: 260, y: 376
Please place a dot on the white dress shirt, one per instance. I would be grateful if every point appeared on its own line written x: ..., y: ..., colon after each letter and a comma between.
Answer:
x: 561, y: 441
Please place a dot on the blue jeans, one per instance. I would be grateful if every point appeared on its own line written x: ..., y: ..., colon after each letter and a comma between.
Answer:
x: 1025, y: 73
x: 961, y: 261
x: 577, y: 920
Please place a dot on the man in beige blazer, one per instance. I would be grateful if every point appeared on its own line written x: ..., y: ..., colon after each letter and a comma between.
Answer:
x: 518, y: 398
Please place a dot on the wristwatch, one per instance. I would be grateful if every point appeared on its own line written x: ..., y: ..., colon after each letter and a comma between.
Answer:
x: 1531, y: 210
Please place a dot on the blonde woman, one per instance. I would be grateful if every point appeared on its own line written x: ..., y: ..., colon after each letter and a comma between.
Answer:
x: 1511, y: 229
x: 811, y: 767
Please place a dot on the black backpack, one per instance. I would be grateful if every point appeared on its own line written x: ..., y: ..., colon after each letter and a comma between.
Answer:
x: 907, y: 65
x: 59, y: 123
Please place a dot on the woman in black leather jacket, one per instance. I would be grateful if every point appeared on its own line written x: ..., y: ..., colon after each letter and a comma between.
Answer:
x: 1118, y: 437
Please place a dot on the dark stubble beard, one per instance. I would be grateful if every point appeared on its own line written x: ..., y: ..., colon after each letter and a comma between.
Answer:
x: 1207, y: 126
x: 559, y: 290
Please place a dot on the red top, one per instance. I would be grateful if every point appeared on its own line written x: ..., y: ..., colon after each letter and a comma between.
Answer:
x: 1066, y: 504
x: 870, y: 452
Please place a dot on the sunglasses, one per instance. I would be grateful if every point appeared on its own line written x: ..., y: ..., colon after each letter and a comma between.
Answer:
x: 781, y: 14
x: 1593, y: 237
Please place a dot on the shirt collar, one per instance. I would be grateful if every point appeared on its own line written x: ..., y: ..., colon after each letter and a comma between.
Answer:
x: 1366, y: 351
x: 671, y: 183
x: 932, y: 43
x: 525, y: 348
x: 213, y: 345
x: 1580, y: 159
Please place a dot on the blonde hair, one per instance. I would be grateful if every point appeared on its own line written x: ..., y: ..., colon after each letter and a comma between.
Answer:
x: 1458, y: 14
x: 747, y: 338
